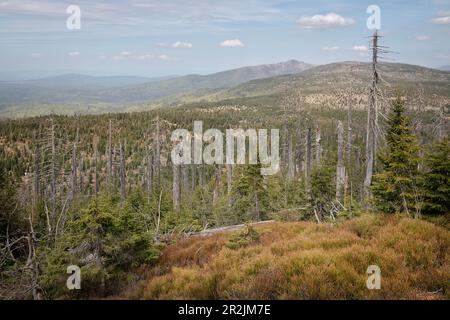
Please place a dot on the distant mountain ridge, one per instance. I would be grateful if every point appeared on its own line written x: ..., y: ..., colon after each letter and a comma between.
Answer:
x: 318, y: 83
x: 75, y: 88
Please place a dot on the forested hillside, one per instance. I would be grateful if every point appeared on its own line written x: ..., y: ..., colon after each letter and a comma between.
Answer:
x: 101, y: 191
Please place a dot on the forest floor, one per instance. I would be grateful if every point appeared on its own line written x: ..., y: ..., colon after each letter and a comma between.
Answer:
x: 304, y: 260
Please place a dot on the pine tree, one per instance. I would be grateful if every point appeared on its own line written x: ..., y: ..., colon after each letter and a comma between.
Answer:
x: 436, y: 181
x: 249, y: 193
x: 395, y: 187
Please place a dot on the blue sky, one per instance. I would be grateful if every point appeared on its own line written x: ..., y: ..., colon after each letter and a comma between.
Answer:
x: 157, y: 38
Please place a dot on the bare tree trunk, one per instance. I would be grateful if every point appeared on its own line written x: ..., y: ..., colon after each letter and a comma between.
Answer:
x: 308, y: 159
x: 372, y: 122
x: 285, y: 142
x: 349, y: 135
x: 217, y: 183
x: 298, y: 153
x: 158, y: 155
x: 201, y: 175
x: 185, y: 178
x: 149, y: 173
x: 110, y: 157
x: 193, y: 177
x: 318, y: 146
x: 159, y: 216
x: 74, y: 167
x: 340, y: 168
x: 176, y: 187
x: 53, y: 183
x: 229, y: 178
x: 37, y: 174
x: 95, y: 144
x: 291, y: 164
x: 122, y: 173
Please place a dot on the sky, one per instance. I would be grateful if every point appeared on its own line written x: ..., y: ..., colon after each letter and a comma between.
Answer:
x: 174, y: 37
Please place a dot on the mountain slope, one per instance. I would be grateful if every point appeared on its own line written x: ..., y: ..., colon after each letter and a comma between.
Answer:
x: 86, y: 89
x: 343, y: 75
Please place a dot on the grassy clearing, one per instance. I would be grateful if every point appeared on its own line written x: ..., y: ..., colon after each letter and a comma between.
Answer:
x: 304, y: 260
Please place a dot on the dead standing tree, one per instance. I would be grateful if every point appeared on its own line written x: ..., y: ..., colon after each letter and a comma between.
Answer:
x: 372, y: 120
x: 340, y: 168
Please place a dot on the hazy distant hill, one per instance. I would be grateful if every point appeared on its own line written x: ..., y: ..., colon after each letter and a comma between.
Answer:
x: 87, y: 89
x: 80, y: 81
x: 445, y: 68
x: 317, y: 84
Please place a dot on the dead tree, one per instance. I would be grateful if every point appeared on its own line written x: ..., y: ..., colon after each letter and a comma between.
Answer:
x: 440, y: 123
x: 74, y: 166
x: 95, y: 145
x: 193, y: 168
x: 291, y: 164
x: 372, y: 120
x: 158, y: 156
x: 51, y: 217
x: 149, y: 179
x: 340, y: 168
x: 349, y: 134
x: 318, y: 146
x: 229, y: 178
x: 185, y: 178
x: 37, y: 173
x: 217, y: 183
x: 176, y: 195
x: 285, y: 142
x: 122, y: 173
x: 298, y: 151
x: 308, y: 156
x: 110, y: 157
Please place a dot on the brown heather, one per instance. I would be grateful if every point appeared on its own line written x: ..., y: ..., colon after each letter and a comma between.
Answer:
x: 304, y: 260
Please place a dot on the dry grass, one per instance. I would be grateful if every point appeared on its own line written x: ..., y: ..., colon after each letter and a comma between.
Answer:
x: 304, y: 260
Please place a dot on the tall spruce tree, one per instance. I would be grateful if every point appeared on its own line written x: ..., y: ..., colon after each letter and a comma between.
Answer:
x: 395, y: 187
x: 436, y: 181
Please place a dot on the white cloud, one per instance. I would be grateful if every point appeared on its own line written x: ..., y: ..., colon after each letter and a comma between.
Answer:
x: 232, y: 43
x: 360, y: 48
x: 180, y: 44
x: 165, y: 57
x: 125, y: 53
x: 161, y: 44
x: 74, y: 54
x: 442, y: 17
x: 328, y: 21
x: 335, y: 48
x: 35, y: 55
x: 162, y: 57
x: 423, y: 38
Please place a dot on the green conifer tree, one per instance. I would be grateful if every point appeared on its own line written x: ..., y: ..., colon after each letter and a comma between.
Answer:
x: 395, y: 187
x: 436, y: 181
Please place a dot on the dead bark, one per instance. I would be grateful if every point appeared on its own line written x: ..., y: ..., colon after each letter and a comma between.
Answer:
x: 340, y: 168
x: 291, y: 164
x: 176, y: 187
x: 372, y: 121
